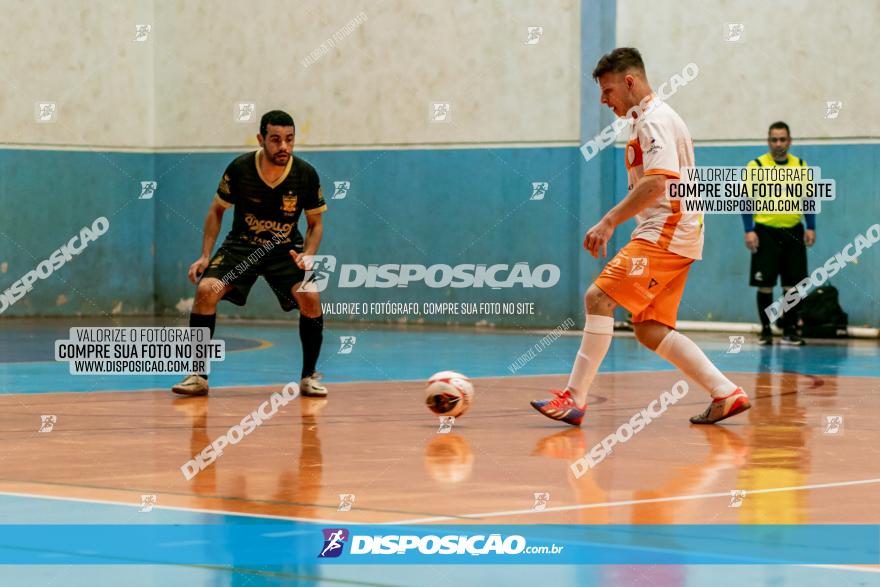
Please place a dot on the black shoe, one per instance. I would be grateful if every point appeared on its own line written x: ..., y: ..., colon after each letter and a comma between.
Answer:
x: 766, y: 337
x: 792, y: 339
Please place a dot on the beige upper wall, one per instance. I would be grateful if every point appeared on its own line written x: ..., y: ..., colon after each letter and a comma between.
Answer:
x: 81, y: 56
x: 180, y: 87
x: 376, y: 85
x: 793, y: 57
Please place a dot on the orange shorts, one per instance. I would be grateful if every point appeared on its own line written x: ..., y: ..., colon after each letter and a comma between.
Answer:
x: 646, y: 280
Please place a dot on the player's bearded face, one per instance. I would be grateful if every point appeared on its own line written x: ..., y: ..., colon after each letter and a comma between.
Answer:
x: 278, y: 144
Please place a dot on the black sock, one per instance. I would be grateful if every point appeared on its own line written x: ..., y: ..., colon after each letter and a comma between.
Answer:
x: 203, y: 321
x: 764, y: 301
x: 790, y: 319
x: 311, y: 333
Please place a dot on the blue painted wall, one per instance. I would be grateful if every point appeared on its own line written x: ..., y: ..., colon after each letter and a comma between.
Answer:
x: 46, y: 197
x: 418, y: 206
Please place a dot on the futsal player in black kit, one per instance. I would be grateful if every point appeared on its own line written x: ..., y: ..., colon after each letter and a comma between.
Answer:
x: 268, y: 190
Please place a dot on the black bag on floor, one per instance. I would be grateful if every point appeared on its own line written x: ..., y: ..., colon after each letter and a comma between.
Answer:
x: 821, y: 314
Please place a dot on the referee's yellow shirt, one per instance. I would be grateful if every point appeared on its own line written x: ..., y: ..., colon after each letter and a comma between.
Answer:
x: 777, y: 220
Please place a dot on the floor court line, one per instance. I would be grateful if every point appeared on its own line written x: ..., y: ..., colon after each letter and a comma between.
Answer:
x: 176, y: 508
x: 610, y: 504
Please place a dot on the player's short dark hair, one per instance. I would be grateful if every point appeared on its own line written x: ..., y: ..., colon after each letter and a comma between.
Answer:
x: 618, y: 61
x: 276, y: 117
x: 779, y: 125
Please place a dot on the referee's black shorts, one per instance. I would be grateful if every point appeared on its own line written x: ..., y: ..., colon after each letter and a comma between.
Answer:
x: 239, y: 264
x: 781, y: 253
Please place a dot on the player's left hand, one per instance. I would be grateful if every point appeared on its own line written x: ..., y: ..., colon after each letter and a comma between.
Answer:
x: 301, y: 261
x: 809, y: 237
x: 596, y: 239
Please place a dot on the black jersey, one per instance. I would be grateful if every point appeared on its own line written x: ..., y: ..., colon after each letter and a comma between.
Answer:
x: 268, y: 212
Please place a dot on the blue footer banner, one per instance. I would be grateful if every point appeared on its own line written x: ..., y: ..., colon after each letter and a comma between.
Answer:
x: 270, y: 543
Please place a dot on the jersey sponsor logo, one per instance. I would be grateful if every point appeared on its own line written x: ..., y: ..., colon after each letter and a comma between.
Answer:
x: 257, y: 225
x: 288, y: 203
x: 655, y: 147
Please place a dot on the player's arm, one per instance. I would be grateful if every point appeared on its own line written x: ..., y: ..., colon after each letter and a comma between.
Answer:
x: 223, y: 199
x: 314, y: 233
x: 211, y: 229
x: 644, y: 193
x: 810, y: 219
x: 751, y: 238
x: 315, y: 206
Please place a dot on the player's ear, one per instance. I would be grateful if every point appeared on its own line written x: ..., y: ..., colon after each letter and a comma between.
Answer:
x: 260, y: 139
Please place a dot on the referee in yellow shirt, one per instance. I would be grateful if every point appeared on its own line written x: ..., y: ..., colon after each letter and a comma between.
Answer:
x: 778, y: 243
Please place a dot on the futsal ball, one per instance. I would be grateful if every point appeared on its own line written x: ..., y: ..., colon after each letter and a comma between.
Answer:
x: 449, y: 393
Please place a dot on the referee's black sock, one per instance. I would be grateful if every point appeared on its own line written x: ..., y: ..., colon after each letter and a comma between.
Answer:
x: 765, y: 299
x: 790, y: 318
x: 311, y: 333
x: 203, y: 321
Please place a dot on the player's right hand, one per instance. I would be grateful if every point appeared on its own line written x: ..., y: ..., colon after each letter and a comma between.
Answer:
x: 752, y: 241
x: 197, y: 268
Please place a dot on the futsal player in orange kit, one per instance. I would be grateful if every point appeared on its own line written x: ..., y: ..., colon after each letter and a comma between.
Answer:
x: 648, y: 274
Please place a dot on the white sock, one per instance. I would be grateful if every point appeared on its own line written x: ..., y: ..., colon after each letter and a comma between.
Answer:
x: 594, y: 346
x: 687, y: 356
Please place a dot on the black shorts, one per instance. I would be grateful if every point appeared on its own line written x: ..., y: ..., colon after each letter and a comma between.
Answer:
x: 781, y: 253
x: 238, y: 265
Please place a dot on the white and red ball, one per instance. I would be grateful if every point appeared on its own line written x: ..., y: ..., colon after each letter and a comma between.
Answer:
x: 449, y: 393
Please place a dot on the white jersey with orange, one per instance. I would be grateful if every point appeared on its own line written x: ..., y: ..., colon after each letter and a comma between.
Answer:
x: 661, y: 144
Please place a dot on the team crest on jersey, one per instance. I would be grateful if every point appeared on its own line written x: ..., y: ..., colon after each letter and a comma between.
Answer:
x: 288, y: 203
